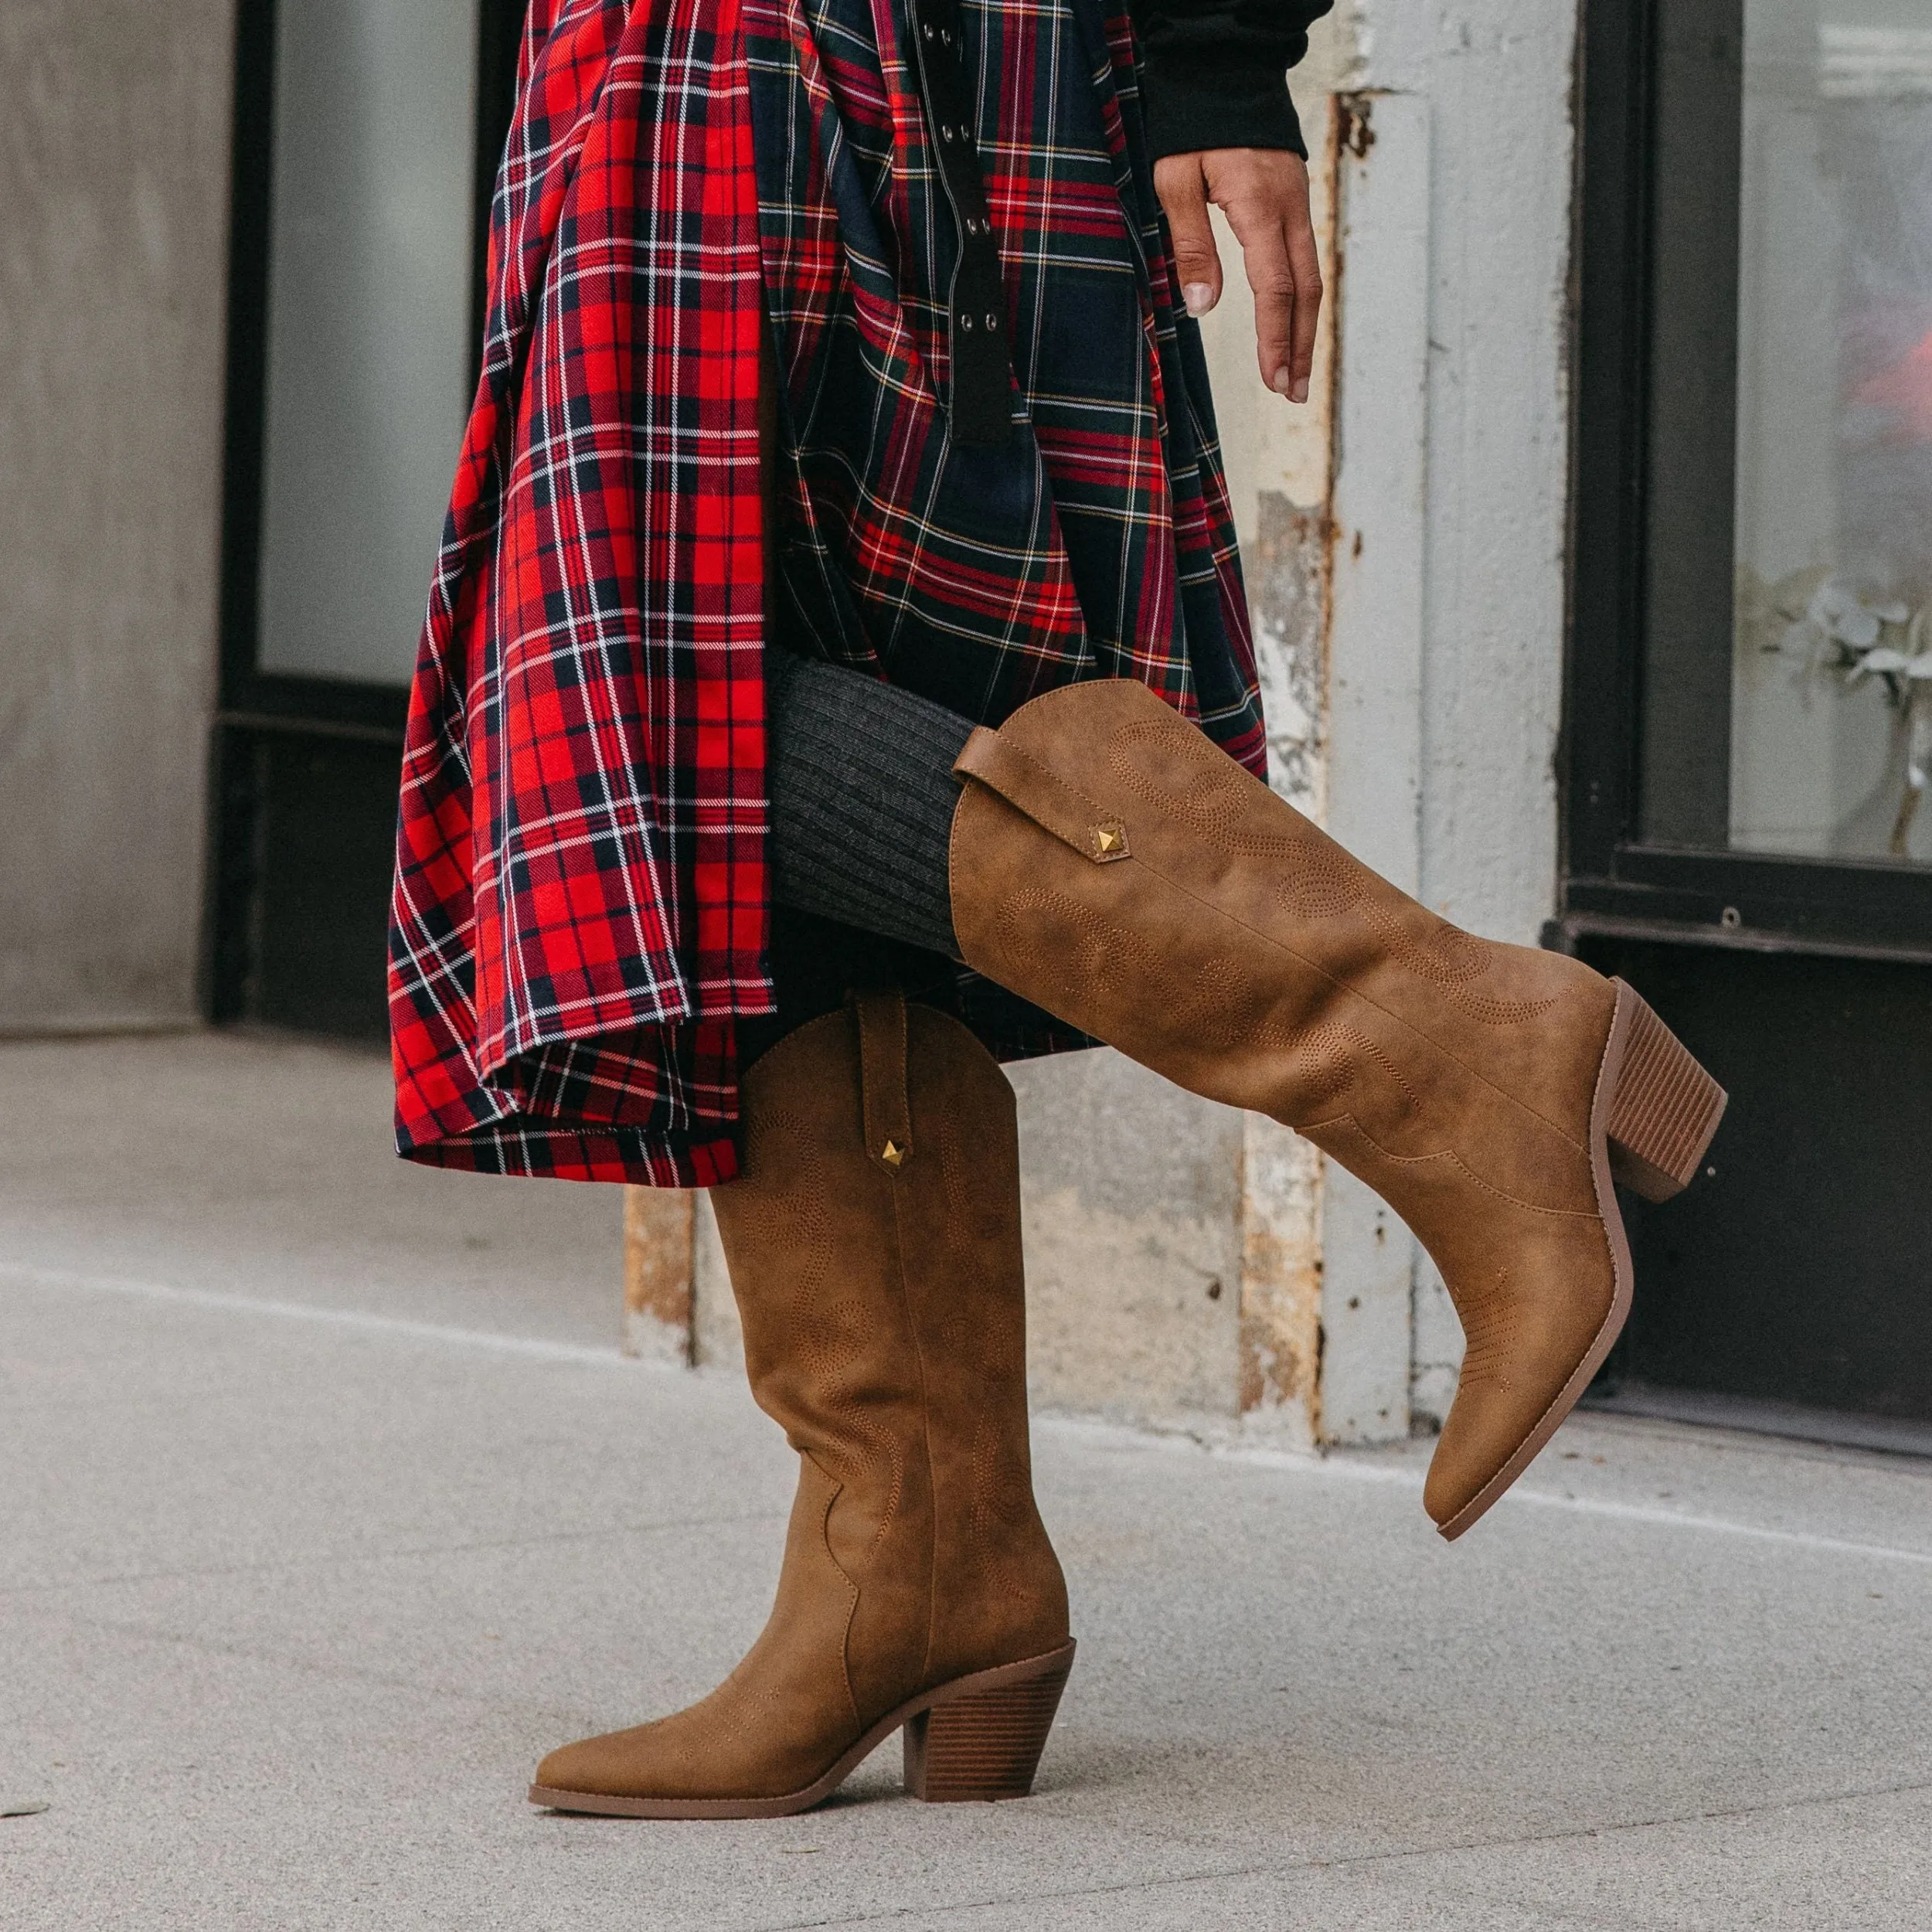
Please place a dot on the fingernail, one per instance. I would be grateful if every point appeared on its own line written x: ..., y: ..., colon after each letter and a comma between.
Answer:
x: 1300, y: 393
x: 1284, y: 380
x: 1198, y: 297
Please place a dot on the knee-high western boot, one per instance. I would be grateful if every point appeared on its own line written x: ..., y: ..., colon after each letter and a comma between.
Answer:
x: 874, y: 1246
x: 1111, y: 864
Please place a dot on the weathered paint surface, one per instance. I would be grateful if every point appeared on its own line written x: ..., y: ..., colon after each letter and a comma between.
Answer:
x: 1498, y: 75
x: 1131, y: 1196
x: 1430, y: 748
x: 1376, y: 626
x: 717, y: 1337
x: 1281, y: 1271
x: 1287, y: 569
x: 1280, y: 462
x: 658, y: 1261
x: 1287, y: 566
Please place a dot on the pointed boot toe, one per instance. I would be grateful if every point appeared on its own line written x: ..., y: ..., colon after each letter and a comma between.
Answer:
x: 1545, y: 1303
x: 615, y: 1765
x: 1531, y: 1346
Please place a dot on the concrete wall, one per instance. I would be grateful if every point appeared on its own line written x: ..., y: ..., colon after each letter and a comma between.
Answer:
x: 113, y: 196
x: 1131, y: 1196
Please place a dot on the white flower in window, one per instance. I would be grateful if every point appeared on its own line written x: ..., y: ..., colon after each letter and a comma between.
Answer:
x: 1837, y: 620
x: 1906, y: 669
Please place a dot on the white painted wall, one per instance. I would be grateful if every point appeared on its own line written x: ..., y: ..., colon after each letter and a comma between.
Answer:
x: 1497, y: 75
x: 1442, y: 675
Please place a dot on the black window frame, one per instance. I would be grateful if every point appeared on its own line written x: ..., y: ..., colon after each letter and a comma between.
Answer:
x: 1627, y: 303
x: 251, y: 698
x: 266, y: 723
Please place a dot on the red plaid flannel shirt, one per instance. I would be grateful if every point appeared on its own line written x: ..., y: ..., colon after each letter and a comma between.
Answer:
x: 581, y: 898
x: 579, y: 911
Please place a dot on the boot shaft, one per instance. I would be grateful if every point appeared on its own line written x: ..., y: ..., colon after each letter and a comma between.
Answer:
x: 873, y: 1240
x: 1110, y: 864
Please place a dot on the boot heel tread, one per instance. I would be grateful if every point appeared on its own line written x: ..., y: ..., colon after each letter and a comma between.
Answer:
x: 986, y: 1745
x: 1663, y: 1109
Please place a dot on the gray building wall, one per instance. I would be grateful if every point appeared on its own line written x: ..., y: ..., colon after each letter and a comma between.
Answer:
x: 114, y: 198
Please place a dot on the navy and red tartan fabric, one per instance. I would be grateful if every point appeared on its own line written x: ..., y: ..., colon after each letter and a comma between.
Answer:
x: 580, y: 908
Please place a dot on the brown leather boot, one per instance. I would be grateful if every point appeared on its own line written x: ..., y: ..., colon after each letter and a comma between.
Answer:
x: 874, y: 1245
x: 1112, y: 864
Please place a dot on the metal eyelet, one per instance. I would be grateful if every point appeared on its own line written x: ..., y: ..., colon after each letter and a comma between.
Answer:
x: 992, y: 324
x: 966, y: 325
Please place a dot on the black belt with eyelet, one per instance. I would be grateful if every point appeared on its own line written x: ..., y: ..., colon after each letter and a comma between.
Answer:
x: 982, y: 400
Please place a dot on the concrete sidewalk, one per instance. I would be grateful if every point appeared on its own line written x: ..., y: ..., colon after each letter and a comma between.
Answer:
x: 318, y: 1528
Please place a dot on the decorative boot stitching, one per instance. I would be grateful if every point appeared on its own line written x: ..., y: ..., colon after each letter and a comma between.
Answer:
x: 1319, y: 881
x: 1349, y: 1122
x: 1217, y: 1011
x: 1491, y: 1326
x: 851, y: 1607
x: 828, y: 1335
x: 1396, y: 1018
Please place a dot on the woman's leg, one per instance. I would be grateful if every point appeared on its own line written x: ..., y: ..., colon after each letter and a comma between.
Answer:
x: 1106, y: 861
x: 874, y: 1247
x: 873, y: 1240
x: 862, y: 797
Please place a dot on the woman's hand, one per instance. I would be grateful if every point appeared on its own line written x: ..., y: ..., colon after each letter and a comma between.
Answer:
x: 1263, y: 191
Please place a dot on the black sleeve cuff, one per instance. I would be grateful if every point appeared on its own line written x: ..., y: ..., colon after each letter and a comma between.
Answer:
x: 1189, y: 104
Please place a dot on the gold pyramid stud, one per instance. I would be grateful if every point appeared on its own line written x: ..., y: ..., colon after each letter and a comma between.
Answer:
x: 892, y: 1154
x: 1109, y: 840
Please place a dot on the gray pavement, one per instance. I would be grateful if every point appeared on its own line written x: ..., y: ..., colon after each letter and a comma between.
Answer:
x: 320, y: 1523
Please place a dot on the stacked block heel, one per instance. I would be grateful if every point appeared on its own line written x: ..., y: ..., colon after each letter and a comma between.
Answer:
x: 1664, y: 1109
x: 986, y: 1745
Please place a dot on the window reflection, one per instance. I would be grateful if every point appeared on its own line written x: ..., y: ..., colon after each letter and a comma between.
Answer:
x: 369, y: 327
x: 1832, y: 710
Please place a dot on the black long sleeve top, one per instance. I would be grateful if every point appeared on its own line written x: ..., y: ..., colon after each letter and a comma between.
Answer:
x: 1215, y: 72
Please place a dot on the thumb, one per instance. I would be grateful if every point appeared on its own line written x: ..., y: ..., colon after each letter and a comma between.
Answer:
x: 1178, y: 181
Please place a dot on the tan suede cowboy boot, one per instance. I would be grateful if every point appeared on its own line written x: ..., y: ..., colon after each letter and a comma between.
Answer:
x: 1112, y: 864
x: 875, y: 1250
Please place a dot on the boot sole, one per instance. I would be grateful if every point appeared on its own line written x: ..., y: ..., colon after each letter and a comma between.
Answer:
x: 1650, y: 1121
x: 974, y: 1740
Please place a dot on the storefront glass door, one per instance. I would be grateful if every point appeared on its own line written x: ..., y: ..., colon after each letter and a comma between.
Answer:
x: 1787, y: 674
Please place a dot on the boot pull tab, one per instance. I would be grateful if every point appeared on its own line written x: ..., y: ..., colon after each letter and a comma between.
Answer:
x: 1045, y: 796
x: 882, y: 1078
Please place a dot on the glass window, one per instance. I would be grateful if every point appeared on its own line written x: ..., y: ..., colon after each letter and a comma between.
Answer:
x: 1831, y: 686
x: 1787, y: 417
x: 369, y: 325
